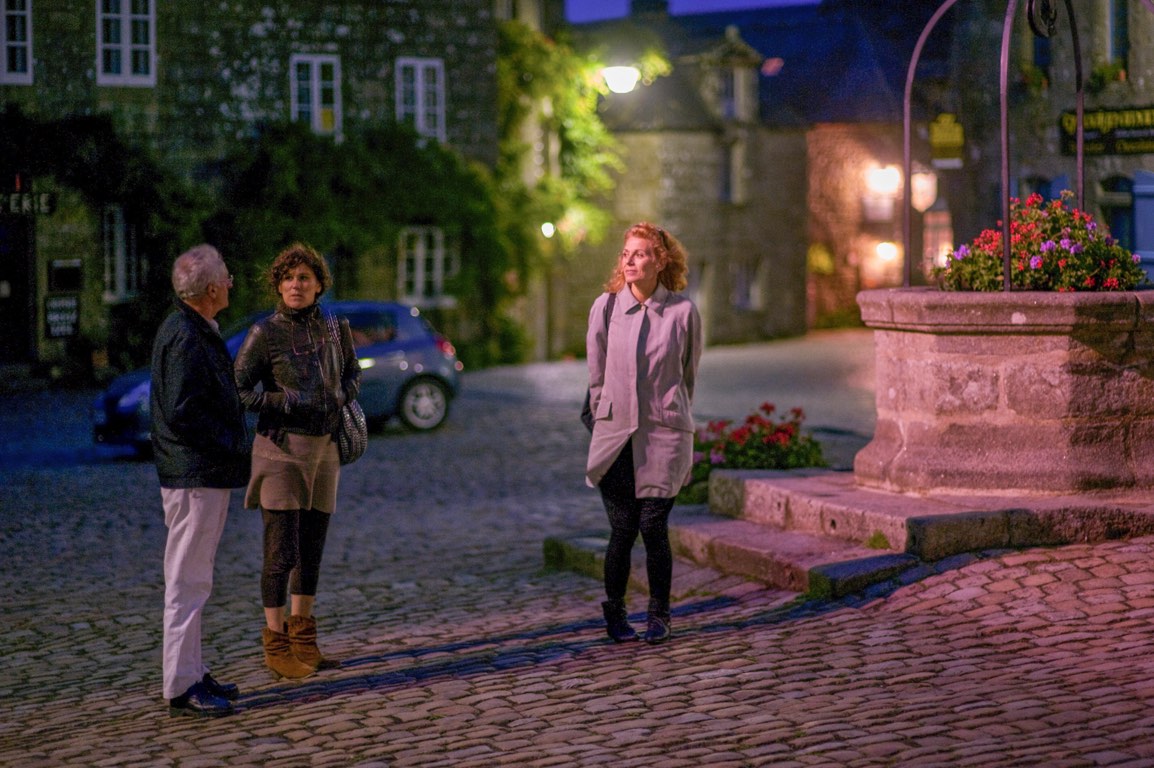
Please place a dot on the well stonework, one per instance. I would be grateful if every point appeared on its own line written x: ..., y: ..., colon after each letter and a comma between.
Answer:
x: 1019, y: 393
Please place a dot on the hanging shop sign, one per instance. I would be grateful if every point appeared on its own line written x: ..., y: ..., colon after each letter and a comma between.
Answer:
x: 947, y: 140
x: 1127, y: 131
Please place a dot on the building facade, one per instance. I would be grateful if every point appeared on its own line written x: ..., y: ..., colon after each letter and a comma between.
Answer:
x: 183, y: 83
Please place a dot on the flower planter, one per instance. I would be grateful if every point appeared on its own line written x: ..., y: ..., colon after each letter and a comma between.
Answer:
x: 1010, y: 393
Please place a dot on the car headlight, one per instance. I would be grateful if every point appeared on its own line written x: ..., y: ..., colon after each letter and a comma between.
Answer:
x: 136, y: 399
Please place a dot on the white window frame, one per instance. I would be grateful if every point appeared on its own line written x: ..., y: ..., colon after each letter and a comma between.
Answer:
x: 325, y: 116
x: 123, y: 269
x: 424, y: 262
x: 420, y: 95
x: 23, y: 14
x: 126, y: 20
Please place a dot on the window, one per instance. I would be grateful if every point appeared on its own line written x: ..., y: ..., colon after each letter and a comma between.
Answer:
x: 1038, y: 184
x: 733, y: 160
x: 122, y: 265
x: 424, y: 264
x: 745, y: 279
x: 16, y: 37
x: 1117, y: 201
x: 1119, y: 22
x: 421, y: 96
x: 126, y: 43
x: 316, y: 92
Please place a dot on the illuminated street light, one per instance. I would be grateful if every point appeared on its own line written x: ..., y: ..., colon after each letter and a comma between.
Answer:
x: 621, y: 79
x: 923, y: 190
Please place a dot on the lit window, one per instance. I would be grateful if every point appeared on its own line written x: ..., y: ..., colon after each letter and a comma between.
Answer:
x: 16, y: 38
x: 125, y: 43
x: 421, y: 96
x: 122, y: 264
x: 316, y: 92
x: 423, y: 266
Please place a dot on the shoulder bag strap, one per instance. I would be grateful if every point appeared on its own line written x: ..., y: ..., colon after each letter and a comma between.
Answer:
x: 335, y: 332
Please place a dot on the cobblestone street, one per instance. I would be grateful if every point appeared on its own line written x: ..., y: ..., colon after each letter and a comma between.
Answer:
x: 458, y: 649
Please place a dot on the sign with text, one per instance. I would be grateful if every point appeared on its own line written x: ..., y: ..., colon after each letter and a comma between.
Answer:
x: 1128, y: 131
x: 62, y: 316
x: 28, y: 203
x: 947, y: 140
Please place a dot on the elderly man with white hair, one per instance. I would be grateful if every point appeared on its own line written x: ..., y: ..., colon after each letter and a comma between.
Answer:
x: 200, y: 440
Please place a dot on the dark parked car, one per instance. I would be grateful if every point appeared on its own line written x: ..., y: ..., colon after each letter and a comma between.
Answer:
x: 408, y: 370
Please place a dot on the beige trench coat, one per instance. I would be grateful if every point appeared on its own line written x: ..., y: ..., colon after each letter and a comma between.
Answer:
x: 641, y: 386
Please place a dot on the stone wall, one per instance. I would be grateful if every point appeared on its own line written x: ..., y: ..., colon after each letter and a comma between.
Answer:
x: 1018, y: 393
x: 222, y: 68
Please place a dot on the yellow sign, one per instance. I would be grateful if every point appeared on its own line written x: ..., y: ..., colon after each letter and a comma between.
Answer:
x: 947, y: 138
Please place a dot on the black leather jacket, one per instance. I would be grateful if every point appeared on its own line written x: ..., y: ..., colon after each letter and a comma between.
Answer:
x: 199, y: 436
x: 292, y: 357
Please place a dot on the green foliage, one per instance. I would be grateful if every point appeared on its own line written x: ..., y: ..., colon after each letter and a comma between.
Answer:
x: 351, y: 198
x: 88, y: 154
x: 758, y: 442
x: 547, y: 80
x: 1053, y: 247
x: 1105, y: 74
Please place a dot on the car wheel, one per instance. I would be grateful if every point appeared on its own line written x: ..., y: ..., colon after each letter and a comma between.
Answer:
x: 424, y: 404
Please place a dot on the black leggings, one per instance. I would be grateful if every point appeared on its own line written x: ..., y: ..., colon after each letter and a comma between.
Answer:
x: 628, y: 515
x: 294, y: 542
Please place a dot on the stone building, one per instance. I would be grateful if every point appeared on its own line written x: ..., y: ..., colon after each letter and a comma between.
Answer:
x: 762, y: 151
x: 184, y: 82
x: 1116, y: 38
x: 699, y: 162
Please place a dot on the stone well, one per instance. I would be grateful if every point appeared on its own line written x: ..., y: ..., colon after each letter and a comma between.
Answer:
x: 1016, y: 393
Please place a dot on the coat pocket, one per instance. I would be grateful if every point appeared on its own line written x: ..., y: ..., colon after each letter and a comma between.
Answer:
x: 677, y: 419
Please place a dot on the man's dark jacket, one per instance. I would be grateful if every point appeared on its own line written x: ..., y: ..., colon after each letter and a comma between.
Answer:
x: 199, y: 435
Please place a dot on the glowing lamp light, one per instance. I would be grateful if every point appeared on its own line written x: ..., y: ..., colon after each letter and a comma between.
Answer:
x: 887, y: 251
x: 621, y: 79
x: 923, y: 190
x: 884, y: 181
x: 548, y: 230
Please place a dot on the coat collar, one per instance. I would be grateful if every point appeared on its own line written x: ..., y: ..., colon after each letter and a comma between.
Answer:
x: 657, y: 302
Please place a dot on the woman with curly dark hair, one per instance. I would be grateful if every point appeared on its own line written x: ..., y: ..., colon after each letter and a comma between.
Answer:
x: 643, y: 346
x: 297, y: 377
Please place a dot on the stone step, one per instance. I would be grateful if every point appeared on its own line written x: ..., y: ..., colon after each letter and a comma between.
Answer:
x: 820, y: 566
x: 831, y: 503
x: 818, y: 532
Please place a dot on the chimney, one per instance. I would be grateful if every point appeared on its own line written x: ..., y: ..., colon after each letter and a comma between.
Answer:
x: 639, y: 8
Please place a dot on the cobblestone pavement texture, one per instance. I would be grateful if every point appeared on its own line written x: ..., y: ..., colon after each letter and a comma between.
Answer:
x: 458, y: 649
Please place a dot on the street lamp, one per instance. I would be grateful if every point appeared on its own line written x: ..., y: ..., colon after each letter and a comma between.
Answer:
x: 621, y: 79
x: 882, y: 185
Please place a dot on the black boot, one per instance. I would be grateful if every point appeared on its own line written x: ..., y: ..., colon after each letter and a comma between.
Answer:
x: 657, y: 628
x: 617, y: 621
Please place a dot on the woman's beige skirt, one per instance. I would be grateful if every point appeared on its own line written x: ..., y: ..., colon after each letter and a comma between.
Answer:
x: 302, y: 473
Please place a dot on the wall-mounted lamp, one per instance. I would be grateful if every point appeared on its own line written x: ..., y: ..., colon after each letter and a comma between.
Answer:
x: 882, y: 185
x: 621, y: 79
x: 886, y: 251
x: 923, y: 190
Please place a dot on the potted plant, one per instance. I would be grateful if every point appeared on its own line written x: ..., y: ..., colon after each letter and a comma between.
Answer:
x: 1047, y: 388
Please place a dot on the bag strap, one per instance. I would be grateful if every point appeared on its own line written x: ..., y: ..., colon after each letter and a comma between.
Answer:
x: 335, y: 332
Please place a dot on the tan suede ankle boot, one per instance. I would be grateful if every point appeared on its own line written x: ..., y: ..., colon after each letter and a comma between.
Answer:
x: 278, y: 656
x: 302, y: 632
